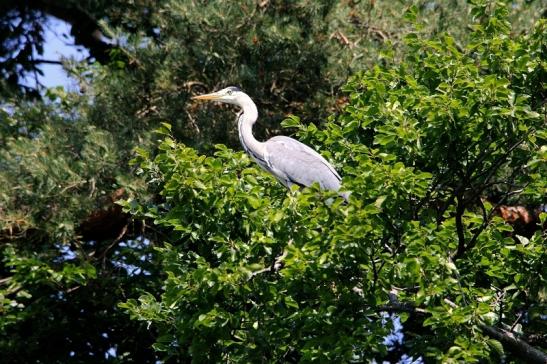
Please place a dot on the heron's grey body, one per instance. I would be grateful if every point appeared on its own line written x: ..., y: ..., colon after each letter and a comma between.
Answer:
x: 292, y: 162
x: 287, y: 159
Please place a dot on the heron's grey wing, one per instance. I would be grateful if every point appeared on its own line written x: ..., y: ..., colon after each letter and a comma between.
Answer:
x: 293, y: 162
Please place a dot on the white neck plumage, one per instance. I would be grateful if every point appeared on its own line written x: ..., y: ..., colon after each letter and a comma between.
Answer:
x: 247, y: 118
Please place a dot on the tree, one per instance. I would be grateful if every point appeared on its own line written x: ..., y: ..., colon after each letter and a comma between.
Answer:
x: 258, y: 275
x: 23, y: 25
x: 69, y: 254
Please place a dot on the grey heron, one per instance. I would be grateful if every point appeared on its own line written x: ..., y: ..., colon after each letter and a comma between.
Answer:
x: 287, y: 159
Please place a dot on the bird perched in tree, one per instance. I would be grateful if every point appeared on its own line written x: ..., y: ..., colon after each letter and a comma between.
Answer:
x: 287, y: 159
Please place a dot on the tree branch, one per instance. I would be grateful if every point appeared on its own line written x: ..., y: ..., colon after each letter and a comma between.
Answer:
x: 460, y: 208
x: 497, y: 163
x: 46, y: 61
x: 85, y: 28
x: 276, y: 263
x: 518, y: 347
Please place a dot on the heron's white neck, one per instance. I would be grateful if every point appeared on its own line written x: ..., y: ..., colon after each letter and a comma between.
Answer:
x: 247, y: 118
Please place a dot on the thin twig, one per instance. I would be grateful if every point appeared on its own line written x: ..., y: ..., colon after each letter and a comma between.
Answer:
x: 459, y: 228
x: 118, y: 238
x: 275, y: 267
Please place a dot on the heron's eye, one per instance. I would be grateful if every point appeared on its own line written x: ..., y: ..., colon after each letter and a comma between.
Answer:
x: 229, y: 92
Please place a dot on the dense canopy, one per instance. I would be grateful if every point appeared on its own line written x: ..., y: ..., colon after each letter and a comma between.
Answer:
x: 133, y: 228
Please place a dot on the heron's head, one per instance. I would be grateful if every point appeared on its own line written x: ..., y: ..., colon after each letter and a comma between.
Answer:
x: 229, y: 95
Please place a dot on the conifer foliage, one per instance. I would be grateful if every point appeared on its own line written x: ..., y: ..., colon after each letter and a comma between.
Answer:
x: 133, y: 228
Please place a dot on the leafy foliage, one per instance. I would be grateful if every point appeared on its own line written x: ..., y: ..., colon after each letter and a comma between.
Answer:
x: 255, y: 274
x: 293, y: 57
x: 249, y: 272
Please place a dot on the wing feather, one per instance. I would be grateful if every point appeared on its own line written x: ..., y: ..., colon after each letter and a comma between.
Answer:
x: 293, y: 162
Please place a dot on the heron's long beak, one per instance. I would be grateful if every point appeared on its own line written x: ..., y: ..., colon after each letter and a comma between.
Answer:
x: 211, y: 96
